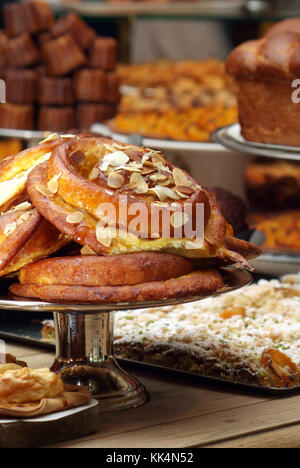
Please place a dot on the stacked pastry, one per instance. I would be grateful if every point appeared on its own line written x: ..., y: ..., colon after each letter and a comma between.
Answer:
x: 72, y: 189
x: 59, y: 75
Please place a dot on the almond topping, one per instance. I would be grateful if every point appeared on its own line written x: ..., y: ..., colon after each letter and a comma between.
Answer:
x: 158, y: 177
x: 115, y: 180
x: 184, y: 190
x: 53, y: 183
x: 94, y: 173
x: 148, y: 170
x: 86, y: 250
x: 179, y: 219
x: 180, y: 179
x: 164, y: 192
x: 22, y: 207
x: 105, y: 235
x: 52, y: 136
x: 115, y: 159
x: 75, y: 218
x: 44, y: 191
x: 138, y: 183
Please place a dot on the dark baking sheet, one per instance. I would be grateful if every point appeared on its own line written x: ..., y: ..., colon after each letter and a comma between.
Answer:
x: 28, y: 331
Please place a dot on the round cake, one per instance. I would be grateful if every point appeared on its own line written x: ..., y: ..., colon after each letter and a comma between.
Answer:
x: 20, y: 85
x: 56, y: 119
x: 17, y: 116
x: 90, y: 85
x: 22, y: 51
x: 55, y: 91
x: 103, y: 53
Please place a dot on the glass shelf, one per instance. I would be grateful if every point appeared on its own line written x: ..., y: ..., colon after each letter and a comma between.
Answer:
x: 205, y: 9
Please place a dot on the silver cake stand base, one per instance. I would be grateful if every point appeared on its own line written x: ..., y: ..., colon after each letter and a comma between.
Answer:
x: 84, y: 341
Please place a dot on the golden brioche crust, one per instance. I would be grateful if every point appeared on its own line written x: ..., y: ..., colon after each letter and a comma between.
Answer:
x: 199, y: 283
x: 106, y: 271
x: 27, y: 385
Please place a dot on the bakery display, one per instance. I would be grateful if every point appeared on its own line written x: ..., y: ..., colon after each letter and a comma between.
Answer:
x: 264, y: 71
x: 54, y: 68
x: 179, y: 101
x: 55, y: 193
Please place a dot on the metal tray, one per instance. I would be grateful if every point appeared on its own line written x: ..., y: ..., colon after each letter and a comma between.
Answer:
x: 30, y: 333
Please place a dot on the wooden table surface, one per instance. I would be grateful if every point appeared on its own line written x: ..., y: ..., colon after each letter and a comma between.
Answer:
x: 182, y: 413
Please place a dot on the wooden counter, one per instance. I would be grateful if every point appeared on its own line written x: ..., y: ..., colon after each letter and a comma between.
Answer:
x: 184, y: 413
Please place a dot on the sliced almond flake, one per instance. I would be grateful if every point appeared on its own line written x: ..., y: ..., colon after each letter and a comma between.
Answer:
x: 68, y: 135
x: 115, y: 180
x: 25, y: 216
x: 10, y: 228
x: 44, y: 191
x: 164, y: 192
x: 157, y: 158
x: 86, y: 250
x: 145, y: 158
x: 94, y: 173
x: 120, y: 147
x: 53, y: 183
x: 138, y: 183
x: 181, y: 195
x: 21, y: 207
x: 148, y: 170
x: 105, y: 235
x: 184, y: 190
x: 180, y: 178
x: 163, y: 168
x: 75, y: 218
x: 52, y: 136
x: 109, y: 147
x: 115, y: 159
x: 179, y: 219
x: 158, y: 177
x: 165, y: 183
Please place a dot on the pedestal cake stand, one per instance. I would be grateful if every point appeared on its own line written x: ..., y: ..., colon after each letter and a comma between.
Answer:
x: 84, y: 341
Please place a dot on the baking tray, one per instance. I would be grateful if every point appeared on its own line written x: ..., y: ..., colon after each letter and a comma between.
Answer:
x: 27, y: 332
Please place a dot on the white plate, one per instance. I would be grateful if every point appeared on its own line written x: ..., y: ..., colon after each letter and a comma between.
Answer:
x: 232, y: 139
x: 53, y: 416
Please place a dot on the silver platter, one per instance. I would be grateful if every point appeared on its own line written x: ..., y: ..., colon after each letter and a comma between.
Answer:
x: 231, y: 138
x: 234, y: 279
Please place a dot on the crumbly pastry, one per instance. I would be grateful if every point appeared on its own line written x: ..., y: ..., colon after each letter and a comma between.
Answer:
x: 264, y: 71
x: 28, y: 392
x: 250, y: 336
